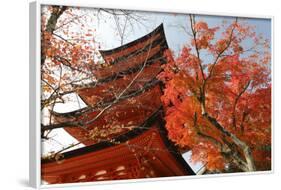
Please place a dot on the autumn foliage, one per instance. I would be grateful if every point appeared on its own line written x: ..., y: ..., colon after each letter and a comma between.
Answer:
x: 68, y: 51
x: 217, y: 91
x: 217, y: 97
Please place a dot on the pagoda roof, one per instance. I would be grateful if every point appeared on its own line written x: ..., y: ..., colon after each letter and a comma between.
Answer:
x: 121, y: 117
x: 131, y: 57
x: 130, y: 76
x: 101, y: 95
x: 142, y: 152
x: 135, y: 47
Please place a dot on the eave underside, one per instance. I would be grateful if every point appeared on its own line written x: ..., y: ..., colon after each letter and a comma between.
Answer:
x: 142, y: 152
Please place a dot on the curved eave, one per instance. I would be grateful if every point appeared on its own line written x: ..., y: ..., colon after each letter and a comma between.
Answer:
x: 159, y: 29
x: 157, y: 57
x: 78, y: 112
x: 122, y: 138
x: 155, y: 117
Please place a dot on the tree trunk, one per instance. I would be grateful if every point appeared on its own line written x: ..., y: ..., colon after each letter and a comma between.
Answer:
x: 50, y: 28
x: 249, y: 164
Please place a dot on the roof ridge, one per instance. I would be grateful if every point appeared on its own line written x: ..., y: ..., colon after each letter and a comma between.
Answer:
x: 160, y: 28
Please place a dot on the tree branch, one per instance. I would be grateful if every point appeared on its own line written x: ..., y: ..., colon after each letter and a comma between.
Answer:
x: 236, y: 102
x: 194, y: 33
x: 50, y: 28
x: 223, y: 50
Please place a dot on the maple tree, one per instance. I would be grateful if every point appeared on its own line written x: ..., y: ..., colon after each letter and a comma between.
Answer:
x: 217, y: 97
x: 67, y: 55
x: 70, y: 53
x: 69, y: 49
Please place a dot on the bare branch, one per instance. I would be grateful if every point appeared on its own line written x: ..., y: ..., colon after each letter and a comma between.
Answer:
x: 223, y: 50
x: 194, y: 33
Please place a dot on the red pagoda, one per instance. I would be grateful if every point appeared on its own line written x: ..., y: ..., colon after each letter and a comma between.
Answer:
x: 122, y: 125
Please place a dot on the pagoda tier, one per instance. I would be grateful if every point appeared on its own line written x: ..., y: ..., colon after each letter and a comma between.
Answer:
x: 136, y: 47
x: 129, y: 64
x: 144, y: 152
x: 121, y: 97
x: 118, y: 119
x: 106, y: 92
x: 137, y: 62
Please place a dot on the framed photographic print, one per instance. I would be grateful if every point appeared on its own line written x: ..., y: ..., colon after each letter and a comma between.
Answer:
x: 128, y: 94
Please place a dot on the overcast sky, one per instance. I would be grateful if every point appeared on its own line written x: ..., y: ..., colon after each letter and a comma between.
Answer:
x: 173, y: 26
